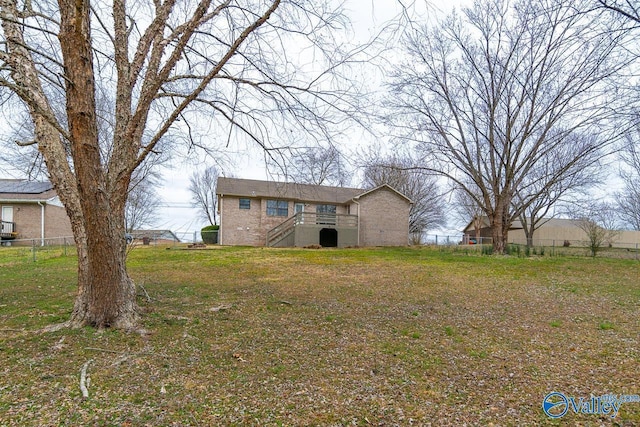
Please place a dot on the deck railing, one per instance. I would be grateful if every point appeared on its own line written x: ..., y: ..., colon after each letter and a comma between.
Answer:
x: 280, y: 231
x: 7, y: 229
x: 310, y: 218
x: 337, y: 220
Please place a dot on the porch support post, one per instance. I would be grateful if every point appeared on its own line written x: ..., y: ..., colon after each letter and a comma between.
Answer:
x: 358, y: 205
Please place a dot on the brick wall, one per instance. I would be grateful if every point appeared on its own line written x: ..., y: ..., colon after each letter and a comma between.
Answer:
x: 384, y: 219
x: 28, y: 217
x: 27, y: 220
x: 240, y: 226
x: 268, y: 222
x: 250, y: 226
x: 247, y: 226
x: 56, y: 222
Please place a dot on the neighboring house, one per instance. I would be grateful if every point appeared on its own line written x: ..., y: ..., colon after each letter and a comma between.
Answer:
x: 265, y: 213
x: 479, y: 231
x: 550, y: 232
x: 31, y: 210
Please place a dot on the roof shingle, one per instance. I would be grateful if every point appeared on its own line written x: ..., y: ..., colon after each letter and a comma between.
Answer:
x: 18, y: 186
x: 285, y: 190
x: 14, y: 190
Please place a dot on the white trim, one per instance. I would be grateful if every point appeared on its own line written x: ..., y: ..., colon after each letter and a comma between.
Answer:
x: 24, y: 200
x: 2, y: 217
x: 55, y: 201
x: 2, y: 211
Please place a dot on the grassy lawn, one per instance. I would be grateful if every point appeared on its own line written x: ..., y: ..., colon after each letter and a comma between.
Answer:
x: 254, y: 336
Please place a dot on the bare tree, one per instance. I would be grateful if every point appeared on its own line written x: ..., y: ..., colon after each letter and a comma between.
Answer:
x: 628, y: 204
x: 598, y: 222
x: 143, y: 202
x: 494, y: 93
x: 157, y: 73
x: 427, y: 211
x: 551, y: 195
x: 628, y: 9
x: 468, y: 210
x: 202, y: 186
x: 537, y: 214
x: 628, y: 200
x: 319, y: 166
x: 25, y: 162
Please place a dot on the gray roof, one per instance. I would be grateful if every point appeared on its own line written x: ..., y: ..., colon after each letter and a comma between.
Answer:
x: 285, y: 190
x: 387, y: 186
x: 18, y: 190
x: 155, y: 234
x: 18, y: 186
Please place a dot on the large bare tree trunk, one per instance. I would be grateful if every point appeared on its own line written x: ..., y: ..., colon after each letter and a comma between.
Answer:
x: 498, y: 236
x: 500, y: 227
x: 529, y: 229
x: 106, y: 294
x: 147, y: 64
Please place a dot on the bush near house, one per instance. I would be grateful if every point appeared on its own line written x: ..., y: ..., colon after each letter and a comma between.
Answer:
x: 210, y: 234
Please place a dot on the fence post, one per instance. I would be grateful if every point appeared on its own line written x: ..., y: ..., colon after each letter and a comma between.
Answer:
x: 33, y: 249
x: 553, y: 247
x: 636, y: 251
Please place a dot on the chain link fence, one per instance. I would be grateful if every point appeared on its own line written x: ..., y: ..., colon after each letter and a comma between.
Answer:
x: 565, y: 247
x: 37, y: 249
x: 41, y: 249
x: 189, y: 236
x: 537, y: 247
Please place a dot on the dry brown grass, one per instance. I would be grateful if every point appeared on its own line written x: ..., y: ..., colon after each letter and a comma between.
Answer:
x: 326, y: 337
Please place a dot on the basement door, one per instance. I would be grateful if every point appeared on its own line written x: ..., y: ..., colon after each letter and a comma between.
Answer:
x: 328, y: 238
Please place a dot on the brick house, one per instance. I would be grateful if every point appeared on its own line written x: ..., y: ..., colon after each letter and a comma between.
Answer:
x: 265, y: 213
x: 550, y: 232
x: 31, y: 210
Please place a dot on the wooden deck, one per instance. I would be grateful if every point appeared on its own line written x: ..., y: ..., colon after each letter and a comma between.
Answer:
x: 304, y: 229
x: 8, y: 230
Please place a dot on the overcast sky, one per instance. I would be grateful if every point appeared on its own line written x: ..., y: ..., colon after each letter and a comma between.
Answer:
x: 367, y: 17
x: 177, y: 214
